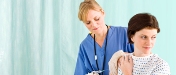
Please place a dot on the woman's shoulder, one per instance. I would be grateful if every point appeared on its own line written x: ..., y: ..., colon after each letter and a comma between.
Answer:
x: 162, y: 61
x: 162, y: 66
x: 159, y: 60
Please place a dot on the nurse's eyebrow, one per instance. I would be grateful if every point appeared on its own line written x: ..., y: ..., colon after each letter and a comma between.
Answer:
x: 88, y: 22
x: 96, y: 17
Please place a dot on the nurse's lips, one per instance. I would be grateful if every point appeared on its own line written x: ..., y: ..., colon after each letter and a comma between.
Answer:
x: 95, y: 28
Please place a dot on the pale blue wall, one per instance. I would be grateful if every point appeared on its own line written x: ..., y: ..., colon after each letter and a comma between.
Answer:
x: 42, y: 37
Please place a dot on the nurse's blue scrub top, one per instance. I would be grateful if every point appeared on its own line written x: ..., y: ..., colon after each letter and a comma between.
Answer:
x: 116, y: 40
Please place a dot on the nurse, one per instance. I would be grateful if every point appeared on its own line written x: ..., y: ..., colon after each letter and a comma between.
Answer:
x: 104, y: 40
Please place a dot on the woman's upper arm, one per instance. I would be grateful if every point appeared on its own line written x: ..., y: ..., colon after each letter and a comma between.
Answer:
x: 162, y: 68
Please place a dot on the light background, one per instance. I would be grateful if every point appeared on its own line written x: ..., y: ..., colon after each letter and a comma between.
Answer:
x: 42, y: 37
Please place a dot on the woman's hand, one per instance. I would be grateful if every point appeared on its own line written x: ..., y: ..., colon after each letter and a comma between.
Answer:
x: 113, y: 65
x: 125, y: 63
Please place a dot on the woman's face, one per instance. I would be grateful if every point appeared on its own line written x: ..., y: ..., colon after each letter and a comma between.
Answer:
x: 95, y: 21
x: 144, y: 41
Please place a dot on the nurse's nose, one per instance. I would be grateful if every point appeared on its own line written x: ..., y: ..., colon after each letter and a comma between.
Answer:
x: 94, y: 24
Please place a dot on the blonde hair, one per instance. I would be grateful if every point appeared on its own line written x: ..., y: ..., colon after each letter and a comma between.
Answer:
x: 85, y: 6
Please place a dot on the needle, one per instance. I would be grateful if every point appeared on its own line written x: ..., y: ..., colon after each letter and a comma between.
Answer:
x: 100, y: 71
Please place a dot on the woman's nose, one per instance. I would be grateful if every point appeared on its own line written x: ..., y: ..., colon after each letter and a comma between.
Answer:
x: 149, y: 41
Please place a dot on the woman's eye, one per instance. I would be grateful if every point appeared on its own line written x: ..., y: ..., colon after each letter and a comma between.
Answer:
x: 143, y: 37
x: 153, y: 37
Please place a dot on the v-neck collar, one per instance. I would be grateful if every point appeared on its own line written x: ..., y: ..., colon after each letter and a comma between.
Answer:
x: 103, y: 46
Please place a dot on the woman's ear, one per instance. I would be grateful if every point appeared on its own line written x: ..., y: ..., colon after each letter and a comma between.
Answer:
x: 132, y: 38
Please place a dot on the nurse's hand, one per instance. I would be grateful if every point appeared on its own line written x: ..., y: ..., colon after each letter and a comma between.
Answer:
x: 92, y: 73
x: 125, y: 63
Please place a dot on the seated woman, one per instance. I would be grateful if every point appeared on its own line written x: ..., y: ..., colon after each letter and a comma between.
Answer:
x: 142, y: 32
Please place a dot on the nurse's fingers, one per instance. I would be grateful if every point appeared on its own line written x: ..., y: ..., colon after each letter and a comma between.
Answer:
x: 121, y: 60
x: 129, y: 58
x: 126, y: 58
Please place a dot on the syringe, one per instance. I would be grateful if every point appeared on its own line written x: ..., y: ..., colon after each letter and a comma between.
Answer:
x: 100, y: 71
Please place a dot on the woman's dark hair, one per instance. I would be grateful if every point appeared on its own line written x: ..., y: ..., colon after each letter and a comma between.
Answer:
x: 141, y: 21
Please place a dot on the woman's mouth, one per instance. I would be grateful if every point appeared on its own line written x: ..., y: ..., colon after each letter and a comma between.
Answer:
x: 147, y: 48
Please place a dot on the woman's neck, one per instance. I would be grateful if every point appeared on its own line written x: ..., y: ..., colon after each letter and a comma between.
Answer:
x: 141, y: 54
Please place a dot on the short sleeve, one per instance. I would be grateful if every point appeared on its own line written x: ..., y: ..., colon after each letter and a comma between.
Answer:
x: 80, y: 67
x: 162, y: 68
